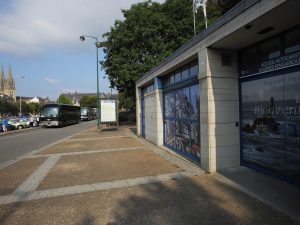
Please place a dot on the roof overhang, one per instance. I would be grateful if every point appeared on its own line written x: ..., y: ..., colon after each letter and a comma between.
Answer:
x: 281, y: 18
x: 235, y: 30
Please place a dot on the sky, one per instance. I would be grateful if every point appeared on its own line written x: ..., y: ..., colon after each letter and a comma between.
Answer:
x: 40, y: 40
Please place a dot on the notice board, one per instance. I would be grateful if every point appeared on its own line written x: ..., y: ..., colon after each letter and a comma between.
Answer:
x: 108, y: 110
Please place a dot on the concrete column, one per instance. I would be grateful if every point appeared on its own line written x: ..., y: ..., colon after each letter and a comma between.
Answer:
x: 219, y: 109
x: 138, y: 111
x: 159, y: 113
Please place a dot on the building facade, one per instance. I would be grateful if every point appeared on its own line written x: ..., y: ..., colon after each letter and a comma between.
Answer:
x: 76, y: 97
x: 7, y: 86
x: 231, y: 95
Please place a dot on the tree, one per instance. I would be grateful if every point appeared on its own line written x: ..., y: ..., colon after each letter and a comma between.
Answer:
x: 149, y: 33
x: 89, y: 101
x: 7, y: 107
x: 126, y: 103
x: 62, y: 99
x: 34, y: 107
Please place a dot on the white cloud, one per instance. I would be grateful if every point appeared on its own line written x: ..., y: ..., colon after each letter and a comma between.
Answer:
x: 30, y: 27
x: 51, y: 81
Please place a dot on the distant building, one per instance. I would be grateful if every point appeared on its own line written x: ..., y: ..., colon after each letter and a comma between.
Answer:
x: 7, y: 86
x: 35, y: 100
x: 75, y: 97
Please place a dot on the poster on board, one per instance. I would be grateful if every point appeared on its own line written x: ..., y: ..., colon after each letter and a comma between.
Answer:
x: 108, y: 110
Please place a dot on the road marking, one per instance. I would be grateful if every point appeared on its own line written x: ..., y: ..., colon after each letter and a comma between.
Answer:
x: 50, y: 193
x: 87, y: 152
x: 32, y: 182
x: 96, y: 138
x: 26, y: 155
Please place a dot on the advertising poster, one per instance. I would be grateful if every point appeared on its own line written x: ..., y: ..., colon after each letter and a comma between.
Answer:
x: 108, y: 110
x: 182, y: 130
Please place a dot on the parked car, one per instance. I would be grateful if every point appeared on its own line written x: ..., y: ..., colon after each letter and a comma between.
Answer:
x: 9, y: 126
x: 19, y: 123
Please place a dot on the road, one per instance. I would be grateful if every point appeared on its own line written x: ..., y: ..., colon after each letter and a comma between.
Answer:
x: 17, y: 144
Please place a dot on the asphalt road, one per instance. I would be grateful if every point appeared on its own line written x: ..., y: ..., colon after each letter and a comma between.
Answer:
x: 17, y: 144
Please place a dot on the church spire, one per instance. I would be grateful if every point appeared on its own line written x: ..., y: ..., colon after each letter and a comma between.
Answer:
x: 9, y: 84
x: 2, y: 81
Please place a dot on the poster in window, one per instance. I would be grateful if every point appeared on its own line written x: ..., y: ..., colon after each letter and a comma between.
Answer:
x: 183, y: 103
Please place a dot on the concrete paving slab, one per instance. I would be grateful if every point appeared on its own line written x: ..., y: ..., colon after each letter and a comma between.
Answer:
x: 102, y: 167
x: 280, y: 194
x: 12, y: 176
x: 199, y: 200
x: 79, y: 145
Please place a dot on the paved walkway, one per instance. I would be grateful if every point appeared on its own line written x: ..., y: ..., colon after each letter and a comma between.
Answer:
x: 113, y: 177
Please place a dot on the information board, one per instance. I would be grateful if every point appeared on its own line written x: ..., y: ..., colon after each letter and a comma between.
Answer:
x: 108, y: 110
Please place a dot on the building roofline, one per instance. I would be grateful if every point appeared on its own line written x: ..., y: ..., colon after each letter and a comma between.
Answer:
x: 228, y: 16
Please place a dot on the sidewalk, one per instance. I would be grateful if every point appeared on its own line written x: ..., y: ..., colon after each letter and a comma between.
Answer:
x: 113, y: 177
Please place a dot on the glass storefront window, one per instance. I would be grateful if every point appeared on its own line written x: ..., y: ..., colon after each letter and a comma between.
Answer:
x: 194, y: 70
x: 170, y: 105
x: 292, y: 124
x: 271, y: 124
x: 270, y: 49
x: 185, y: 73
x: 177, y: 76
x: 170, y: 132
x: 183, y: 136
x: 195, y: 102
x: 181, y: 119
x: 263, y: 124
x: 188, y: 71
x: 249, y: 61
x: 183, y: 103
x: 292, y: 41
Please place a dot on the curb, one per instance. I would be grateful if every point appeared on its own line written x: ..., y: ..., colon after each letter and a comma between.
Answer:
x: 17, y: 131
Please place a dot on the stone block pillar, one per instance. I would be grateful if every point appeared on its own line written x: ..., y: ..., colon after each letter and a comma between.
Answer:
x: 219, y: 109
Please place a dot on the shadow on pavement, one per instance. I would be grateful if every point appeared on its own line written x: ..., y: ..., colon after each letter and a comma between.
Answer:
x: 88, y: 219
x: 203, y: 200
x: 199, y: 200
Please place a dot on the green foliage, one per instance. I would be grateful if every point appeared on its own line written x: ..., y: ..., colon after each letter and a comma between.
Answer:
x: 7, y: 107
x: 149, y: 33
x: 88, y: 101
x: 33, y: 107
x: 62, y: 99
x: 125, y: 102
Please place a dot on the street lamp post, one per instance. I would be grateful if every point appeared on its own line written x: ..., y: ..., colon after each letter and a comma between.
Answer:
x: 97, y: 44
x: 20, y: 99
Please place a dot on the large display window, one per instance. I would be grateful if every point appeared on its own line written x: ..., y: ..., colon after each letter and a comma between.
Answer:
x: 270, y: 113
x: 181, y: 121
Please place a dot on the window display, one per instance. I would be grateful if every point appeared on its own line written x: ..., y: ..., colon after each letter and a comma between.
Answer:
x: 181, y: 121
x: 271, y: 124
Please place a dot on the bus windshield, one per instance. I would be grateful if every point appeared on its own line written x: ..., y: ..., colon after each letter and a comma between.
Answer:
x: 50, y: 112
x: 84, y: 111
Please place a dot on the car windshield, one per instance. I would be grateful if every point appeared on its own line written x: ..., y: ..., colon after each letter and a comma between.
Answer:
x: 50, y: 112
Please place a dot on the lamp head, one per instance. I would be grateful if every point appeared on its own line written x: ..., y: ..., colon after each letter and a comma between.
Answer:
x: 82, y: 38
